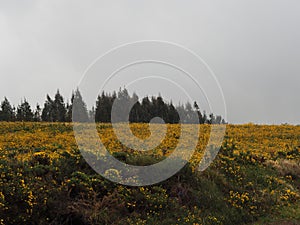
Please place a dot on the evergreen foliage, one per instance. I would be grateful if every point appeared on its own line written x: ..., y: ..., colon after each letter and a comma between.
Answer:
x: 24, y: 112
x: 7, y: 111
x: 108, y: 105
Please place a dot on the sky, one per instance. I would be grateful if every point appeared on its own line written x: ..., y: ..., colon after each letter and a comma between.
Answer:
x: 252, y: 46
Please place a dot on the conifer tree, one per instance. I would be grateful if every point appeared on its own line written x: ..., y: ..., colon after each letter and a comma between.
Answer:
x: 55, y: 110
x: 37, y: 113
x: 59, y: 108
x: 48, y: 113
x: 24, y: 112
x: 79, y: 108
x: 7, y: 111
x: 201, y: 121
x: 173, y: 116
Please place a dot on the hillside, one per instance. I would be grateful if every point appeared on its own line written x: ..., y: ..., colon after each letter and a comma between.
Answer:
x: 45, y: 180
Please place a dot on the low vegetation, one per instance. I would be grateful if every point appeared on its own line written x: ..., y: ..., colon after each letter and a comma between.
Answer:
x: 45, y: 180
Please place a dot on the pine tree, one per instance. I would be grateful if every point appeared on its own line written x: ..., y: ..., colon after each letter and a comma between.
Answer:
x: 218, y: 120
x: 37, y: 114
x: 24, y: 112
x: 212, y: 119
x: 48, y: 113
x: 55, y: 110
x: 190, y: 114
x: 134, y: 116
x: 7, y: 111
x: 205, y: 117
x: 161, y: 108
x: 121, y: 109
x: 173, y: 116
x: 79, y: 108
x: 92, y: 114
x: 201, y: 121
x: 146, y: 106
x: 69, y: 109
x: 59, y: 109
x: 103, y: 108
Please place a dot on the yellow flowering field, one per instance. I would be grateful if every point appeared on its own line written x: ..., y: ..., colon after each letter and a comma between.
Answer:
x: 29, y: 138
x: 45, y: 180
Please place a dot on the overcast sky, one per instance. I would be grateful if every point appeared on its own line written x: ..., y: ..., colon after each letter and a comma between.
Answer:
x: 253, y: 47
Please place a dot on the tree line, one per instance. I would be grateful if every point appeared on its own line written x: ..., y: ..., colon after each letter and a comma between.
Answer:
x: 117, y: 105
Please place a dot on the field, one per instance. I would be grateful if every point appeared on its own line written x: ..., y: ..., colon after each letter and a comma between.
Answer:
x: 255, y: 178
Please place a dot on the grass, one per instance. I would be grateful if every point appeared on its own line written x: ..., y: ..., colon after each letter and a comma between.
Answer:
x: 45, y: 180
x: 287, y: 215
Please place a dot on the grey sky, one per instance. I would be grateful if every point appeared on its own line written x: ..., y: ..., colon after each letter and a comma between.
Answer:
x: 253, y: 47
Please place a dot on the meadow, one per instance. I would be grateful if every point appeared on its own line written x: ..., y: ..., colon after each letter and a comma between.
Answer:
x: 255, y: 178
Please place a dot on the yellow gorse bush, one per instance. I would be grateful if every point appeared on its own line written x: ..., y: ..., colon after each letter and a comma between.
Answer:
x: 39, y: 146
